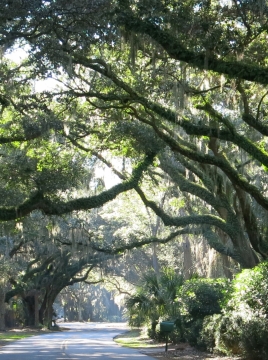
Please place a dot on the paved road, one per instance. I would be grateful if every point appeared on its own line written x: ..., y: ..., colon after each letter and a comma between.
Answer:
x: 81, y: 342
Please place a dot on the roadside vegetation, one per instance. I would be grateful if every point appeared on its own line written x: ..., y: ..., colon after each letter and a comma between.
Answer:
x: 134, y: 166
x: 216, y: 315
x: 136, y: 338
x: 6, y: 337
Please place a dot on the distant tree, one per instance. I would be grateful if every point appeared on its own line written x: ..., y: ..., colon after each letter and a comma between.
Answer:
x: 50, y: 254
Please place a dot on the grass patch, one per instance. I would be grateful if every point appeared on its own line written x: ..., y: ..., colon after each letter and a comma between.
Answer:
x: 7, y: 337
x: 135, y: 339
x: 10, y: 336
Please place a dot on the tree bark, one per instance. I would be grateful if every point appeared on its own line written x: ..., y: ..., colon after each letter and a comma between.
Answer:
x: 36, y: 309
x: 2, y: 308
x: 29, y: 310
x: 188, y: 261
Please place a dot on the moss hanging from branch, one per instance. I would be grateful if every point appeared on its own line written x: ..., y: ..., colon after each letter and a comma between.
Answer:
x: 49, y: 207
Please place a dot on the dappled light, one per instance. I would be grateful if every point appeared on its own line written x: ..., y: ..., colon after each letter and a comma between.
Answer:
x: 134, y: 173
x: 79, y: 342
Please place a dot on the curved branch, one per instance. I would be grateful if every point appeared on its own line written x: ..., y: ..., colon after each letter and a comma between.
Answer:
x: 177, y: 51
x: 186, y: 220
x: 169, y: 115
x: 50, y: 207
x: 252, y: 121
x: 220, y: 162
x: 20, y: 138
x: 234, y: 137
x: 138, y: 244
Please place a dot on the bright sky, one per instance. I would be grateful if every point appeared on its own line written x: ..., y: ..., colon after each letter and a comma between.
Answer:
x: 17, y: 55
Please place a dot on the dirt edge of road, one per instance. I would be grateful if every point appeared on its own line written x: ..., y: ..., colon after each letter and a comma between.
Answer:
x: 183, y: 352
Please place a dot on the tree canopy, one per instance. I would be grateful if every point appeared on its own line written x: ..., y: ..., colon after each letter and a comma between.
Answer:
x: 175, y: 90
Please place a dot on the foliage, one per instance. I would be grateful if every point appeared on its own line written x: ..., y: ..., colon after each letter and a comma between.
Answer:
x: 50, y: 254
x: 222, y: 333
x: 242, y: 327
x: 176, y: 92
x: 199, y: 298
x: 182, y: 82
x: 235, y: 334
x: 250, y: 290
x: 154, y: 299
x: 88, y: 301
x: 202, y: 297
x: 254, y: 339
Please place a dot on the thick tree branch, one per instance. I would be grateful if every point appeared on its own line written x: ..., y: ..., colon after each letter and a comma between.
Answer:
x: 255, y: 123
x: 82, y: 278
x: 169, y: 115
x: 116, y: 284
x: 186, y: 220
x: 138, y: 244
x: 220, y: 162
x: 232, y: 137
x: 49, y: 207
x: 234, y: 69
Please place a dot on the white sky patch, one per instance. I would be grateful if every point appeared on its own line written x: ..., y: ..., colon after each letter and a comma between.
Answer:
x: 48, y: 84
x: 16, y: 54
x: 107, y: 175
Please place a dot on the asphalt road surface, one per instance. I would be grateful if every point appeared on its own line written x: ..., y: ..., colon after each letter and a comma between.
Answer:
x: 83, y: 341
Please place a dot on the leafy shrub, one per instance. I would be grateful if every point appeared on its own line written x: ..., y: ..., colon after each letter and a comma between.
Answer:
x: 202, y: 297
x: 192, y: 333
x: 155, y: 334
x: 231, y: 334
x: 180, y: 328
x: 250, y: 289
x: 199, y: 298
x: 207, y: 334
x: 242, y: 328
x: 254, y: 339
x: 221, y: 333
x: 176, y: 336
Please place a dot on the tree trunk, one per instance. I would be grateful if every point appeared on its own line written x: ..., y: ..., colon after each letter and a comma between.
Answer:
x: 65, y: 312
x: 29, y: 310
x: 79, y: 309
x: 36, y: 309
x: 153, y: 327
x: 155, y: 260
x: 2, y: 309
x: 46, y: 308
x: 188, y: 261
x: 228, y: 266
x: 47, y: 311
